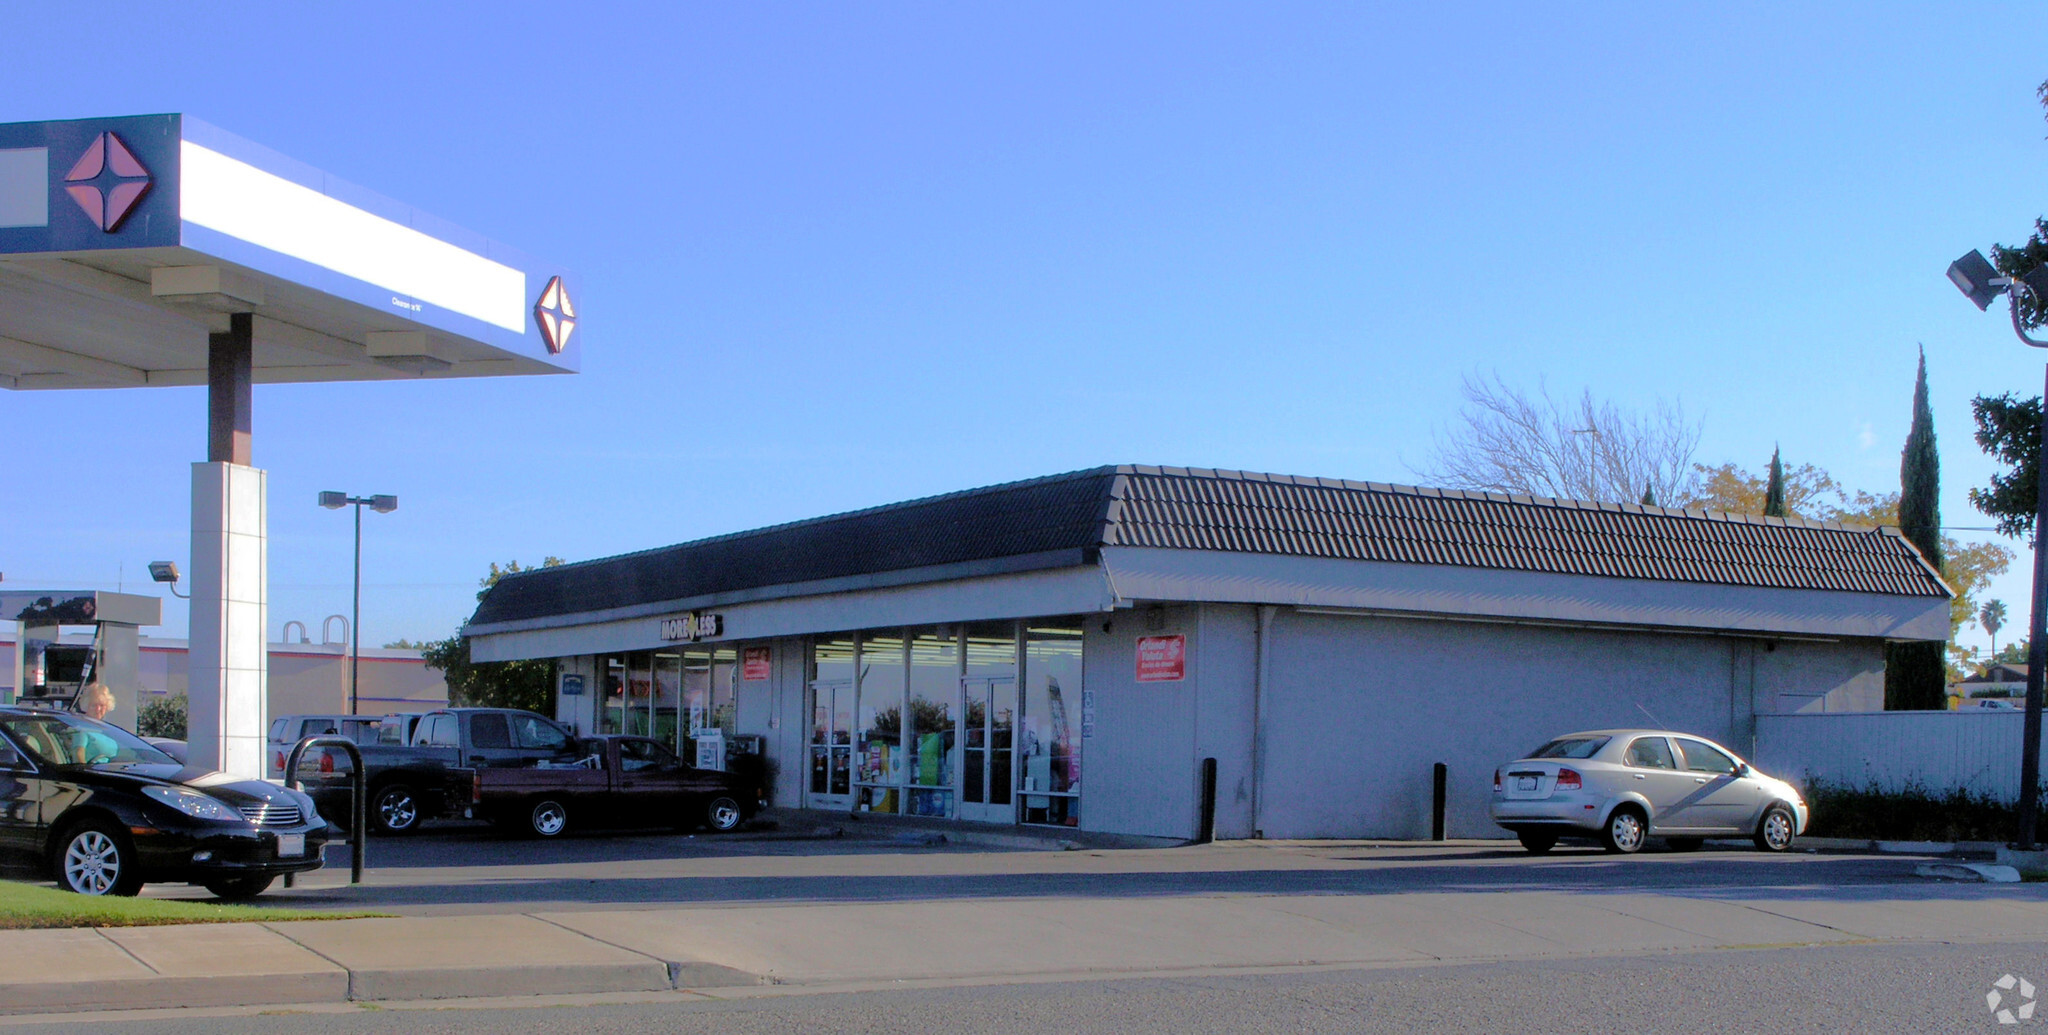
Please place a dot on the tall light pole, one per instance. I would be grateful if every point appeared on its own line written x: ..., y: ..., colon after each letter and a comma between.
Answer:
x: 382, y: 505
x: 1974, y: 275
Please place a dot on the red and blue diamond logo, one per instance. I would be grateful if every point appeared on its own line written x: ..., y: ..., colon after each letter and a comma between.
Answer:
x: 556, y: 316
x: 107, y: 181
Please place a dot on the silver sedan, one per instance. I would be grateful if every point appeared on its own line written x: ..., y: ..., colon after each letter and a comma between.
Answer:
x: 1626, y: 786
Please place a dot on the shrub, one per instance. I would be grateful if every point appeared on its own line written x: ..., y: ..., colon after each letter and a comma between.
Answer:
x: 163, y: 717
x: 1914, y: 813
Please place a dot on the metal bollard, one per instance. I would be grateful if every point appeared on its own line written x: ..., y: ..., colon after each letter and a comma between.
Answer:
x: 1207, y: 833
x: 358, y: 808
x: 1436, y: 806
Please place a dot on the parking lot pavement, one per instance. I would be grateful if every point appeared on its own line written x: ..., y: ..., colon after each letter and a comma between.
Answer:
x: 485, y: 916
x: 463, y: 871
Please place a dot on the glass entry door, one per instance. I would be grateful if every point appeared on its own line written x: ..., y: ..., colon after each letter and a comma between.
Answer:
x: 831, y: 783
x: 988, y: 728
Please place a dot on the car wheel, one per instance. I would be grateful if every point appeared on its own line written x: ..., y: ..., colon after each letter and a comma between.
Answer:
x: 236, y: 888
x: 1537, y: 841
x: 722, y: 814
x: 1774, y: 831
x: 548, y: 818
x: 1625, y: 830
x: 394, y: 809
x: 95, y: 858
x: 1684, y: 844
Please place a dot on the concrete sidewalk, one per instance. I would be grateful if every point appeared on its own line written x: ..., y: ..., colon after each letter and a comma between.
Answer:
x: 983, y: 939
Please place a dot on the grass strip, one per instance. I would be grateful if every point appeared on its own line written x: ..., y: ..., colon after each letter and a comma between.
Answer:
x: 24, y: 906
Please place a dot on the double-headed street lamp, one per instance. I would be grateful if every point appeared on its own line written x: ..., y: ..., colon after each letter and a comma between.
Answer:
x: 1974, y: 275
x: 382, y: 505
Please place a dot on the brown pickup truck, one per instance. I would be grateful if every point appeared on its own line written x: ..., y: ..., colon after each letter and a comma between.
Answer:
x: 618, y: 782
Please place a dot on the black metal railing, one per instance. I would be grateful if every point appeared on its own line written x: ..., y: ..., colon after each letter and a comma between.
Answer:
x: 358, y: 807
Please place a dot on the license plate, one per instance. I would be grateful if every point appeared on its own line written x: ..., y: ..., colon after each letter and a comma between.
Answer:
x: 291, y: 845
x: 1526, y: 783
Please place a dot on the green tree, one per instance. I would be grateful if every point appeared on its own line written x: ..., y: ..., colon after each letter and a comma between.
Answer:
x: 1915, y: 677
x: 1811, y: 492
x: 1808, y: 490
x: 163, y: 717
x: 493, y: 684
x: 1774, y: 490
x: 2009, y: 429
x: 1992, y: 617
x: 2009, y: 426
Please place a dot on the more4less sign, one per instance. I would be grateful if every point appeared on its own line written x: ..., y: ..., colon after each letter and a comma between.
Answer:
x: 1162, y: 659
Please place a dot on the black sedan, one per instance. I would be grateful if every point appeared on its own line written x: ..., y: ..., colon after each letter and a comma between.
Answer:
x: 105, y: 811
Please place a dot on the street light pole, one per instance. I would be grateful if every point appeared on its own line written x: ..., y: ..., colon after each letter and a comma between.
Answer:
x: 382, y: 505
x: 2037, y: 647
x: 355, y: 618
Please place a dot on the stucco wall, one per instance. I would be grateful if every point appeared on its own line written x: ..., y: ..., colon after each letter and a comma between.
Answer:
x: 1140, y: 770
x: 1359, y: 709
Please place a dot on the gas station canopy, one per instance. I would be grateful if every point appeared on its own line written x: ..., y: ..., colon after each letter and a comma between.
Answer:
x: 126, y: 242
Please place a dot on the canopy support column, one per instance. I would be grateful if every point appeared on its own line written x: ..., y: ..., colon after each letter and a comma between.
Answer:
x: 230, y: 571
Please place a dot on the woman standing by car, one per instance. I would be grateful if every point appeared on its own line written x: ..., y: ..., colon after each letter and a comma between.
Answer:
x: 89, y: 745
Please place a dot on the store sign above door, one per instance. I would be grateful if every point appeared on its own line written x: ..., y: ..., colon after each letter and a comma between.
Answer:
x: 697, y: 625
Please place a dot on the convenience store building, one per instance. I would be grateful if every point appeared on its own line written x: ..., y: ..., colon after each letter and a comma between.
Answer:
x: 1069, y: 650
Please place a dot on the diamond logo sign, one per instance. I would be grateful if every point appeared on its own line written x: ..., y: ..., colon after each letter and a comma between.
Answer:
x: 556, y: 316
x: 107, y: 181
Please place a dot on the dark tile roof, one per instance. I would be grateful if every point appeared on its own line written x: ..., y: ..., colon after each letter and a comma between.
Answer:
x: 1060, y: 520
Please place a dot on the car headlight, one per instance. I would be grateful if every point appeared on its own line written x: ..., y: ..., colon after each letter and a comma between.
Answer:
x: 193, y: 803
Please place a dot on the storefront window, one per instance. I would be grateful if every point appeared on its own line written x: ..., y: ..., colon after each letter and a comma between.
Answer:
x: 1054, y: 717
x: 879, y: 745
x: 611, y: 713
x: 832, y: 659
x: 930, y: 740
x: 989, y: 722
x: 725, y: 674
x: 668, y: 696
x: 639, y: 693
x: 832, y: 665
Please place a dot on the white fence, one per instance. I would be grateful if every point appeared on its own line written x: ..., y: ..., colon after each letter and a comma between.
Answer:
x: 1977, y: 750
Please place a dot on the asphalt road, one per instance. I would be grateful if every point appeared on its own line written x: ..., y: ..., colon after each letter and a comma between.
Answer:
x: 1862, y: 988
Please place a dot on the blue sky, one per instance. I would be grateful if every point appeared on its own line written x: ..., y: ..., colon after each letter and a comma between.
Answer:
x: 845, y: 255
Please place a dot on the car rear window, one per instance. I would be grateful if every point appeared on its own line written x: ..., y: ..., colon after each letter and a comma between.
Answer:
x: 1571, y: 747
x: 1651, y: 753
x: 487, y: 730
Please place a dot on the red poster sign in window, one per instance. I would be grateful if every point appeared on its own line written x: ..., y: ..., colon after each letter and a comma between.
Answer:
x: 1162, y: 659
x: 755, y: 666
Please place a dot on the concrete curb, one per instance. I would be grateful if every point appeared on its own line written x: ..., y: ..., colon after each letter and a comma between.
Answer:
x: 337, y: 984
x: 1961, y: 849
x: 183, y: 992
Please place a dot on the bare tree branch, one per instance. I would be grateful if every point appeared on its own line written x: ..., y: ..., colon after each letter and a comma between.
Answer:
x: 1510, y: 440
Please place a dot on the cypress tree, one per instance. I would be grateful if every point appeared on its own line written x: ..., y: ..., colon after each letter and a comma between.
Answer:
x: 1774, y: 492
x: 1914, y: 676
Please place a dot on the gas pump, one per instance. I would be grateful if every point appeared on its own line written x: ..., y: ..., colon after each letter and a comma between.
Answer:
x: 49, y: 672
